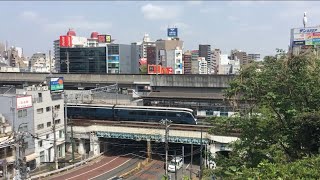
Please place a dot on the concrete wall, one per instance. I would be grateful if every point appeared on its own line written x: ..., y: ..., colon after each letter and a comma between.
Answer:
x: 217, y: 81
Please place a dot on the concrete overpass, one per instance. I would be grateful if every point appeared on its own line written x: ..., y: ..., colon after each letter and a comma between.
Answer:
x: 152, y: 132
x: 128, y: 80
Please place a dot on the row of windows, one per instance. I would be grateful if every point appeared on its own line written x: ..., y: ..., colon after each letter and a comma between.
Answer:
x: 40, y: 142
x: 22, y: 113
x: 40, y: 110
x: 152, y: 113
x: 41, y: 126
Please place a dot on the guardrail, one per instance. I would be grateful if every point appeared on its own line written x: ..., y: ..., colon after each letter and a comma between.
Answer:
x: 39, y: 176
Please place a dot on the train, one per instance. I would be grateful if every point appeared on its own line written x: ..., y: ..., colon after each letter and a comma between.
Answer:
x: 130, y: 113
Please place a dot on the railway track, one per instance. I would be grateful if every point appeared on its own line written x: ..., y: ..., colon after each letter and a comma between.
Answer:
x: 151, y: 125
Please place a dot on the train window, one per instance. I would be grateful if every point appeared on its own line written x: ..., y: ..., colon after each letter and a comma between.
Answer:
x: 132, y: 113
x: 171, y: 114
x: 152, y: 113
x: 143, y: 113
x: 161, y: 114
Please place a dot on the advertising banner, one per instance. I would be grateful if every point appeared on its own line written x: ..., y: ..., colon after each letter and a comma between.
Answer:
x: 172, y: 32
x: 305, y: 30
x: 65, y: 41
x: 309, y: 42
x: 24, y: 102
x: 76, y: 40
x: 56, y: 84
x: 316, y: 41
x: 299, y: 37
x: 316, y: 35
x: 298, y: 42
x: 104, y: 38
x: 154, y: 69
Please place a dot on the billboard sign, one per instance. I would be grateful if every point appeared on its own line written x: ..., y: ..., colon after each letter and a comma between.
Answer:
x: 316, y: 41
x: 306, y: 30
x: 82, y: 41
x: 65, y: 41
x: 299, y: 37
x: 24, y: 102
x: 104, y: 38
x: 172, y: 32
x: 154, y: 69
x: 56, y: 84
x: 299, y: 43
x: 309, y: 42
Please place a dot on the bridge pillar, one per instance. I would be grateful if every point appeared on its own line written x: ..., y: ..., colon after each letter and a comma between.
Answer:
x: 149, y: 149
x: 213, y: 149
x: 94, y: 144
x: 81, y: 149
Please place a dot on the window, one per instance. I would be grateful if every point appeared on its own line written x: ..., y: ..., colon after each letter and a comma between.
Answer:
x: 161, y: 114
x: 25, y: 145
x: 48, y: 108
x: 24, y: 128
x: 48, y: 124
x: 61, y: 134
x: 47, y: 136
x: 142, y: 113
x: 40, y: 126
x: 22, y: 113
x: 42, y: 157
x: 40, y: 143
x: 60, y: 151
x: 57, y: 107
x: 40, y: 110
x: 57, y: 121
x: 151, y: 113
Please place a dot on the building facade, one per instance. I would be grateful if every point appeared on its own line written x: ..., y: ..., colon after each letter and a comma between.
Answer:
x: 187, y: 62
x: 203, y: 65
x: 216, y: 53
x: 48, y: 119
x: 205, y: 51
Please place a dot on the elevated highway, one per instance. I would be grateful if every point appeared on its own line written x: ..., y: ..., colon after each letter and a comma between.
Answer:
x: 128, y: 80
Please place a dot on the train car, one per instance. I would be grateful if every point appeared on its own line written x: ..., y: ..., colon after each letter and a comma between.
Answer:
x: 130, y: 113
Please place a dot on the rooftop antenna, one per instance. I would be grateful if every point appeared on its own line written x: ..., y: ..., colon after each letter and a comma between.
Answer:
x: 305, y: 20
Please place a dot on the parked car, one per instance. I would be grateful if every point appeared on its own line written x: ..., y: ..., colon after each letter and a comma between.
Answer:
x: 175, y: 164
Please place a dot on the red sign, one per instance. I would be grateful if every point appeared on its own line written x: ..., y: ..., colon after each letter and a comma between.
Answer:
x: 104, y: 38
x: 316, y: 34
x: 154, y: 69
x: 143, y: 61
x: 170, y: 70
x: 65, y: 41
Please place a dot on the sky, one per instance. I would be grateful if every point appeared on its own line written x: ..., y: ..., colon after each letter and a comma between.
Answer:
x: 251, y: 26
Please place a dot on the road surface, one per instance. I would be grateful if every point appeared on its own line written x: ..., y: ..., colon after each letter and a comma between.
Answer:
x: 105, y: 168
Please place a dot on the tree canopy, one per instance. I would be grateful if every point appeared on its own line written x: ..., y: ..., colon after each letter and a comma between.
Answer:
x: 280, y: 122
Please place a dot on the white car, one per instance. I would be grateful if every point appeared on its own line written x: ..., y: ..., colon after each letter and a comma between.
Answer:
x: 175, y: 164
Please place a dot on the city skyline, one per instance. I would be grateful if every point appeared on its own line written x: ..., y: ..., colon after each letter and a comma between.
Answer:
x: 225, y: 25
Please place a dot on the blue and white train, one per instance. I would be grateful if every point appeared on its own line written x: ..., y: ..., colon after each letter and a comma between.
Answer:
x: 130, y: 113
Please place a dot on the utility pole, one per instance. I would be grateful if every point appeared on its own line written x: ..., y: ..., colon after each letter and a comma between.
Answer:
x: 175, y: 165
x: 182, y: 159
x: 54, y: 139
x: 166, y: 122
x: 67, y: 61
x: 201, y: 160
x: 50, y: 61
x: 191, y: 161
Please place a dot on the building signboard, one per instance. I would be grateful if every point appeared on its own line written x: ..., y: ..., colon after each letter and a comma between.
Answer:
x: 298, y: 42
x: 82, y: 41
x: 65, y: 41
x: 24, y: 102
x: 306, y: 30
x: 316, y: 41
x: 172, y: 32
x: 309, y: 42
x: 56, y: 84
x: 154, y: 69
x: 104, y: 38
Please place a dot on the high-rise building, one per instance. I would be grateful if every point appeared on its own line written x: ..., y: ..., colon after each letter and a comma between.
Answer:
x: 151, y: 55
x: 253, y: 57
x: 97, y: 54
x: 205, y: 51
x: 187, y: 62
x: 194, y: 62
x: 174, y: 60
x: 241, y: 55
x: 83, y: 60
x: 203, y: 65
x: 215, y: 60
x: 162, y: 46
x: 146, y: 42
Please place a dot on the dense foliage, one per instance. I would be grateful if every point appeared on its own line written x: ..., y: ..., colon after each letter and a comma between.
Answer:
x: 280, y: 124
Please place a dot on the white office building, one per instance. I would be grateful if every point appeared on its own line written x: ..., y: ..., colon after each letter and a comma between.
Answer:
x: 48, y: 115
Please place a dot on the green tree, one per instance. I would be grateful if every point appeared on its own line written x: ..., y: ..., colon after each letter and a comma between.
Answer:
x: 278, y: 100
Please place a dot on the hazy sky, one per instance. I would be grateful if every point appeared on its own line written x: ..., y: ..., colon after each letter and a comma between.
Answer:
x: 252, y: 26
